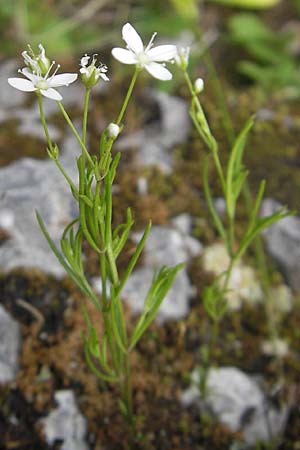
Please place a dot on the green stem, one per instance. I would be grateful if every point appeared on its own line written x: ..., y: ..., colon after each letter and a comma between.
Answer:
x: 127, y: 389
x: 128, y: 95
x: 209, y: 140
x: 42, y: 115
x: 75, y: 132
x: 85, y: 114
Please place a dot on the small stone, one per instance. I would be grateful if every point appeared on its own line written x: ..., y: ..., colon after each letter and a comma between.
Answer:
x: 66, y: 423
x: 277, y: 347
x: 243, y: 285
x: 157, y: 139
x: 164, y: 246
x: 283, y: 242
x: 238, y: 402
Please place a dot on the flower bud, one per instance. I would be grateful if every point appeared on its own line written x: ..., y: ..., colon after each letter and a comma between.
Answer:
x: 182, y: 57
x: 42, y: 60
x: 38, y: 64
x: 198, y: 85
x: 113, y: 130
x: 90, y: 73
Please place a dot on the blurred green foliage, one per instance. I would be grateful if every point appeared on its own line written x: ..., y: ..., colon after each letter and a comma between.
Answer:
x: 251, y: 4
x: 271, y: 62
x: 74, y: 26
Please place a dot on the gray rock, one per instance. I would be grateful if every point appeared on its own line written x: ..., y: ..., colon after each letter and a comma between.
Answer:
x: 238, y: 402
x: 9, y: 101
x: 10, y: 340
x: 156, y: 140
x: 164, y: 246
x: 28, y: 185
x: 66, y: 423
x: 283, y: 242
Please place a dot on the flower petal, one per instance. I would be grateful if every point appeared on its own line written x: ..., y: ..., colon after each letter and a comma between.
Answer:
x: 62, y: 80
x: 51, y: 93
x: 28, y: 74
x: 132, y: 38
x: 124, y: 56
x: 162, y: 53
x: 104, y: 77
x: 21, y: 84
x: 158, y: 71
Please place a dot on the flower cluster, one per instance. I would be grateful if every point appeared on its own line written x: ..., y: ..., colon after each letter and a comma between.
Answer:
x: 38, y: 68
x: 39, y: 78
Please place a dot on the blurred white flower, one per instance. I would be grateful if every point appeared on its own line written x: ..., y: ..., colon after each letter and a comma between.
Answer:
x: 151, y: 59
x: 182, y: 57
x: 38, y: 78
x: 90, y: 73
x: 277, y: 347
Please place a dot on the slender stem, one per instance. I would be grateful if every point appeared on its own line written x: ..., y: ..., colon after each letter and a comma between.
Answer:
x: 209, y: 140
x: 127, y: 393
x: 85, y: 114
x: 49, y: 142
x: 128, y: 95
x: 68, y: 179
x: 75, y: 132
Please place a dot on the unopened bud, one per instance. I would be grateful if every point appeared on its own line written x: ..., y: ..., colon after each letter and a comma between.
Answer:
x: 182, y: 57
x: 113, y: 130
x: 198, y: 85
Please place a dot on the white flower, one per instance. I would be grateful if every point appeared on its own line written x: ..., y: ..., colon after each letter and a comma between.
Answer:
x: 90, y: 74
x: 151, y: 59
x: 39, y: 79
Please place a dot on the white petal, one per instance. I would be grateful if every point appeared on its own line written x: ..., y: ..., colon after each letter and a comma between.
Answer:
x: 162, y: 53
x: 124, y: 56
x: 21, y: 84
x: 132, y: 38
x: 104, y: 77
x: 158, y: 71
x: 62, y: 80
x: 28, y: 74
x: 51, y: 93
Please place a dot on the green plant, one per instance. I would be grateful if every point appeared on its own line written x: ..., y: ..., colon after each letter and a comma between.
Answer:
x: 272, y: 64
x: 107, y: 355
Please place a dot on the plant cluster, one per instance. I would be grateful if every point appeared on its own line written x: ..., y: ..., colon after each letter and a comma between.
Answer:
x: 108, y: 354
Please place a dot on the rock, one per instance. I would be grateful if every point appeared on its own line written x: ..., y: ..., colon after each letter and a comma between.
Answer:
x: 9, y: 101
x: 277, y: 347
x: 238, y: 402
x: 156, y: 140
x: 164, y: 246
x: 243, y: 285
x: 66, y: 423
x: 10, y: 340
x: 28, y: 185
x: 283, y: 242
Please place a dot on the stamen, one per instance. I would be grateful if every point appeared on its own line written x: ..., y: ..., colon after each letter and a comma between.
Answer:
x: 151, y: 42
x: 55, y: 71
x: 49, y: 70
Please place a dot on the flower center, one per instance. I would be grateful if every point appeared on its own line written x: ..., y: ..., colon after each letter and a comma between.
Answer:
x: 42, y: 84
x: 143, y: 58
